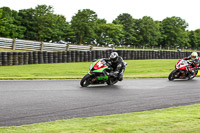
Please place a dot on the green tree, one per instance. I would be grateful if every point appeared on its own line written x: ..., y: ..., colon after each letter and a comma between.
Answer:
x: 129, y: 27
x: 193, y: 39
x: 13, y: 28
x: 109, y: 33
x: 173, y: 32
x: 28, y: 21
x: 45, y: 22
x: 197, y: 32
x: 148, y: 31
x: 84, y: 26
x: 3, y: 23
x: 38, y: 22
x: 62, y: 29
x: 100, y: 32
x: 43, y: 25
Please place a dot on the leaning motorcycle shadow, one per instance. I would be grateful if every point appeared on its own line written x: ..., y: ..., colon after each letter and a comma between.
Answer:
x: 184, y: 80
x: 102, y: 87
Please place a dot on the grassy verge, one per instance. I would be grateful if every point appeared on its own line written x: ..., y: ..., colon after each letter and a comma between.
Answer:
x: 183, y: 119
x: 135, y: 69
x: 10, y: 50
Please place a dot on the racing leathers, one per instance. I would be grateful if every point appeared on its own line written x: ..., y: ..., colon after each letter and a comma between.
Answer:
x: 194, y: 66
x: 118, y: 67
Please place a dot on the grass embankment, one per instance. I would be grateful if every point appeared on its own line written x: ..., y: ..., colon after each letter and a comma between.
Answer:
x: 135, y: 69
x: 183, y: 119
x: 10, y: 50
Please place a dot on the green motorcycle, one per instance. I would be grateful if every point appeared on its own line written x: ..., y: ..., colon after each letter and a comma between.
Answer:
x: 99, y: 74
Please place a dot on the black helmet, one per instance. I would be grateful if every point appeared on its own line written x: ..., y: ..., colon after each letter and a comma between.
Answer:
x: 114, y: 57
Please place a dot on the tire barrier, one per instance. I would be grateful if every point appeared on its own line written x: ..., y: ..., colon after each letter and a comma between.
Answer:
x: 35, y: 57
x: 73, y: 56
x: 41, y: 57
x: 15, y: 58
x: 85, y: 57
x: 4, y: 59
x: 89, y: 56
x: 81, y: 56
x: 64, y: 57
x: 55, y: 57
x: 26, y: 58
x: 77, y: 56
x: 20, y: 58
x: 50, y: 57
x: 0, y: 59
x: 97, y: 53
x: 59, y: 57
x: 45, y: 57
x: 68, y: 56
x: 10, y: 58
x: 93, y: 55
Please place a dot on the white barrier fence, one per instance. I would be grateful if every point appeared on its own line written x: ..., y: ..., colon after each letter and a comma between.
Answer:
x: 18, y: 44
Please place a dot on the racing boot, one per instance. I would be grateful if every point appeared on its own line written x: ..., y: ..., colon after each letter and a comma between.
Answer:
x: 120, y: 77
x: 191, y: 74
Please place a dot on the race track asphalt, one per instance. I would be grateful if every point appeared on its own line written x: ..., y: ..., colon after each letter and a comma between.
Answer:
x: 27, y: 102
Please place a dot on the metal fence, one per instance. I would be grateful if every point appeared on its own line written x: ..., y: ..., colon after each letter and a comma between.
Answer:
x: 18, y: 44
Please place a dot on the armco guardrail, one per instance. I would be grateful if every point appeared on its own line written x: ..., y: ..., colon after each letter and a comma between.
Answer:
x: 41, y: 57
x: 18, y: 44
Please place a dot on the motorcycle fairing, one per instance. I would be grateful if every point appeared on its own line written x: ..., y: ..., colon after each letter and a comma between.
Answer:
x: 99, y: 65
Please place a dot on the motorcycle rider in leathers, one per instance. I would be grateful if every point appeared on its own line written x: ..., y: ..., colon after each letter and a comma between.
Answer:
x: 117, y: 64
x: 194, y: 63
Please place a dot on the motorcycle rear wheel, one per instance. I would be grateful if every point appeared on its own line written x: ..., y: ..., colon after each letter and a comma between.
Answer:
x: 112, y: 81
x: 193, y: 76
x: 171, y: 75
x: 85, y: 80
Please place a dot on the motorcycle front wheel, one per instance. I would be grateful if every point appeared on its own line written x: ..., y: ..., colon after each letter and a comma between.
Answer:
x: 85, y: 80
x: 171, y: 75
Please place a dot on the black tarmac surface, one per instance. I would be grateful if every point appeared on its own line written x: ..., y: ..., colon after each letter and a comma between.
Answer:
x: 26, y: 102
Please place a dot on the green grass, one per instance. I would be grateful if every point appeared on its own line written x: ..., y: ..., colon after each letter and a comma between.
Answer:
x: 135, y: 69
x: 10, y: 50
x: 185, y: 119
x: 159, y: 68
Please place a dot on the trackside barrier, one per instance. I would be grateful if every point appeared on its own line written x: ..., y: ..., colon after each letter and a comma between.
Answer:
x: 19, y: 44
x: 42, y: 57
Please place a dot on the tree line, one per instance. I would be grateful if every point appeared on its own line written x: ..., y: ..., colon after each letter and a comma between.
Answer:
x: 42, y: 24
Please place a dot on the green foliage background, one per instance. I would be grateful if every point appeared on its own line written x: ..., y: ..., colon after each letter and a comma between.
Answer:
x: 42, y: 24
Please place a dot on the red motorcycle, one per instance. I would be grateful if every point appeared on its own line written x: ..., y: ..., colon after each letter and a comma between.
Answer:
x: 182, y: 69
